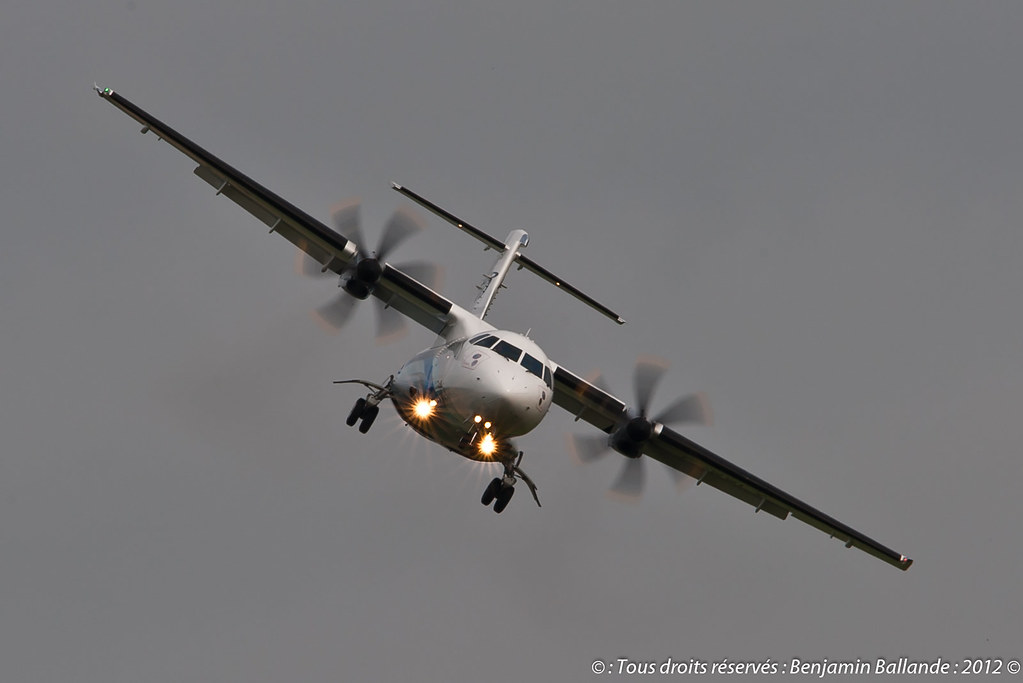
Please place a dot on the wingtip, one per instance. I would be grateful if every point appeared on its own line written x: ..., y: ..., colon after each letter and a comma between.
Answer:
x: 102, y: 92
x: 905, y: 563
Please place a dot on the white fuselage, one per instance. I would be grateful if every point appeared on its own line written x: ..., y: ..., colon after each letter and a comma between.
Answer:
x: 473, y: 394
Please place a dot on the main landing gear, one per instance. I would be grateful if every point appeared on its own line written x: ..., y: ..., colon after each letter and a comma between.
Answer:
x: 501, y: 489
x: 367, y: 409
x: 363, y: 410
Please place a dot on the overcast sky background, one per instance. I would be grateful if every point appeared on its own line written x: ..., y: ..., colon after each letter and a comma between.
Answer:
x: 811, y: 210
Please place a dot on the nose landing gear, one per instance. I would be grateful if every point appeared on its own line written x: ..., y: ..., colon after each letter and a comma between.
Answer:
x: 501, y: 489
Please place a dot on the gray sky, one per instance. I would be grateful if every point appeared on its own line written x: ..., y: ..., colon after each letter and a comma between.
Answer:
x: 811, y: 210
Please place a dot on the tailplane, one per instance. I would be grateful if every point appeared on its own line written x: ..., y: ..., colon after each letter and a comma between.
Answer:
x: 510, y: 249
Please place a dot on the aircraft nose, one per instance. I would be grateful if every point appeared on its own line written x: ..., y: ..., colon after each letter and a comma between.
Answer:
x: 514, y: 407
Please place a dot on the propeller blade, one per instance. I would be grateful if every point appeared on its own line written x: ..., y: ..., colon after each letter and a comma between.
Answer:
x: 588, y: 448
x: 597, y: 380
x: 345, y: 217
x: 337, y: 312
x: 403, y: 224
x: 629, y: 484
x: 310, y: 267
x: 694, y: 409
x: 429, y: 274
x: 649, y: 372
x: 682, y: 480
x: 390, y: 323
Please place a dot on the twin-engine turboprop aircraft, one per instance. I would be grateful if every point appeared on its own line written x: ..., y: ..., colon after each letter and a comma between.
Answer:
x: 477, y: 387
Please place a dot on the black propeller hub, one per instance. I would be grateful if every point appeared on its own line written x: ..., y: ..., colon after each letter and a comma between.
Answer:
x: 631, y: 436
x: 639, y: 429
x: 361, y: 280
x: 369, y: 270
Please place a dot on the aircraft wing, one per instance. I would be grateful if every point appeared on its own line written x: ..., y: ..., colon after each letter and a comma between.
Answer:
x: 592, y: 404
x: 330, y: 248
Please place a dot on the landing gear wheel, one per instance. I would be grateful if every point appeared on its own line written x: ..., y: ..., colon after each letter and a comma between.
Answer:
x: 491, y: 493
x: 368, y: 416
x: 357, y: 411
x: 503, y: 497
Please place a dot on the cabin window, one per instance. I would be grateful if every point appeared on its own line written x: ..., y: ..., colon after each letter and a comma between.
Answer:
x: 509, y: 351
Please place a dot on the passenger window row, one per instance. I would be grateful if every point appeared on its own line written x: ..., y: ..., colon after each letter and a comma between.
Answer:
x: 515, y: 355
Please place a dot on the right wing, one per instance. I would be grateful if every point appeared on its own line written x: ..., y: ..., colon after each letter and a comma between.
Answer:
x: 607, y: 413
x: 328, y: 247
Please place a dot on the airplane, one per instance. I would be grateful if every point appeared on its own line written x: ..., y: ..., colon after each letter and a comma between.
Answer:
x: 477, y: 387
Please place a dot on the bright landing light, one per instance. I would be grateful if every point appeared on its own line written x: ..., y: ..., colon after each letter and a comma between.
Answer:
x: 488, y: 446
x: 424, y: 408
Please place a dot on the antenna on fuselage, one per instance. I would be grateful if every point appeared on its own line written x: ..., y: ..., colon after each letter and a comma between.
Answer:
x: 496, y: 244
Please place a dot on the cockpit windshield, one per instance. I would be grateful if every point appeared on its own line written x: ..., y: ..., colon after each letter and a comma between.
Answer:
x: 509, y: 351
x: 514, y: 354
x: 485, y: 340
x: 533, y: 365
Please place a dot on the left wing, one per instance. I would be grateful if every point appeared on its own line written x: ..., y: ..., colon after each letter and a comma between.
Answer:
x: 607, y: 413
x: 330, y: 248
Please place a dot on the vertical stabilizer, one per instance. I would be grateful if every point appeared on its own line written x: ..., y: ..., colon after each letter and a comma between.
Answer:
x: 494, y: 280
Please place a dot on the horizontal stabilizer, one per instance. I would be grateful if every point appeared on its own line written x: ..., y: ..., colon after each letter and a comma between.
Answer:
x: 494, y: 243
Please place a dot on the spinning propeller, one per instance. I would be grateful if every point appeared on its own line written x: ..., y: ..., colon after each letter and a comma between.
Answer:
x: 362, y: 275
x: 634, y: 430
